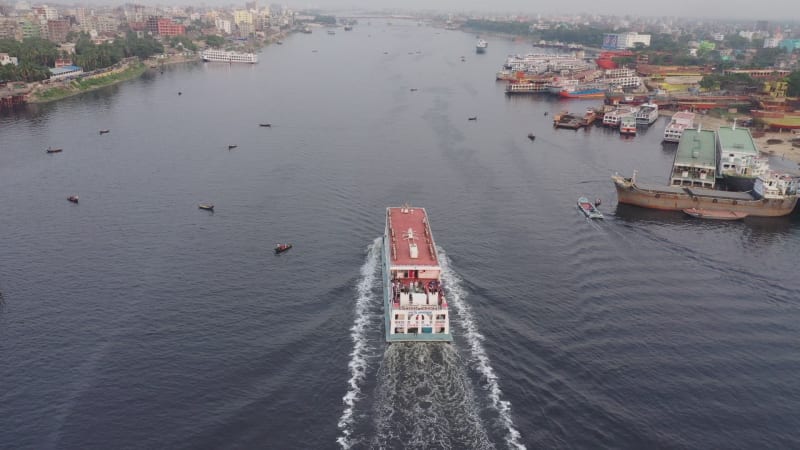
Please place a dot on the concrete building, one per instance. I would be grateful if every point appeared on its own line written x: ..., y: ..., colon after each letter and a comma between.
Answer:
x: 625, y: 40
x: 5, y: 59
x: 695, y: 161
x: 241, y: 16
x: 57, y: 30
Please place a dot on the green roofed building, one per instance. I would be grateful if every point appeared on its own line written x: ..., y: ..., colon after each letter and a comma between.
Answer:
x: 695, y: 162
x: 739, y: 161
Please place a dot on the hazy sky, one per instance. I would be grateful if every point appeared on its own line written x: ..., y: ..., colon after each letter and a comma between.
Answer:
x: 735, y: 9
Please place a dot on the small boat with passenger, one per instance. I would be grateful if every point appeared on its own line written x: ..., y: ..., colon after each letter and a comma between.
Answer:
x: 73, y: 198
x: 589, y: 209
x: 206, y: 206
x: 280, y: 248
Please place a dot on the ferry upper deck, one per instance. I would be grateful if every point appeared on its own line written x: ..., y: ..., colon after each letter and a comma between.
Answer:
x: 410, y: 237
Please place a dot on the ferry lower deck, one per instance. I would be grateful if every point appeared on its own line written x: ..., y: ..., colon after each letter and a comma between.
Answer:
x: 415, y: 303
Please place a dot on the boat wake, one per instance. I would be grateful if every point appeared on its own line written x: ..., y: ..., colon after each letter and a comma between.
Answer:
x: 422, y: 394
x: 478, y: 360
x: 424, y: 400
x: 367, y: 318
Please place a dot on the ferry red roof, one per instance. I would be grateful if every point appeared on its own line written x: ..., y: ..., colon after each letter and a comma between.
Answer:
x: 406, y: 225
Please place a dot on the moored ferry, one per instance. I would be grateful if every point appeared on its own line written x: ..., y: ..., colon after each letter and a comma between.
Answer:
x: 648, y: 113
x: 213, y: 55
x: 627, y: 125
x: 613, y: 118
x: 680, y: 121
x: 415, y: 305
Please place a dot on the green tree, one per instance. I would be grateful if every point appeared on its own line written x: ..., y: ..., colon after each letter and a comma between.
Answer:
x: 794, y: 84
x: 213, y: 40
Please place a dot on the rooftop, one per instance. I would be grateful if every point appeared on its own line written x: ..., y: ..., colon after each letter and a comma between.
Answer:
x: 736, y: 140
x: 410, y: 225
x: 64, y: 69
x: 697, y: 148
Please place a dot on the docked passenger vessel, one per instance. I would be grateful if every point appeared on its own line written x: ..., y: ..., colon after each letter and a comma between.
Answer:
x: 415, y: 305
x: 212, y: 55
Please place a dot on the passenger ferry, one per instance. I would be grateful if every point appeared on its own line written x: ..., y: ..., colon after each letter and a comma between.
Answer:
x: 212, y: 55
x: 613, y: 118
x: 415, y: 304
x: 533, y: 86
x: 648, y: 113
x: 627, y: 125
x: 679, y: 122
x: 480, y: 47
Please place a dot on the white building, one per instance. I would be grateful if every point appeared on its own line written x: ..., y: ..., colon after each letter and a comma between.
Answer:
x: 625, y: 40
x: 223, y: 25
x: 719, y: 37
x: 771, y: 42
x: 5, y: 59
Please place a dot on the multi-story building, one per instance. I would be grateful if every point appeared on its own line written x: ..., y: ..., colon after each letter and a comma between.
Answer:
x: 625, y: 40
x: 30, y: 28
x: 57, y: 30
x: 8, y: 28
x: 223, y: 25
x: 166, y: 27
x: 241, y: 16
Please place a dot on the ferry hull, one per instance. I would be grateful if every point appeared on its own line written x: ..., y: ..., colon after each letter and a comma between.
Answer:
x: 630, y: 193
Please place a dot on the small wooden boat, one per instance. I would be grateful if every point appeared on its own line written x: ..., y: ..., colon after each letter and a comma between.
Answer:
x: 180, y: 93
x: 589, y: 209
x: 472, y: 118
x: 265, y: 125
x: 104, y: 131
x: 73, y: 198
x: 715, y: 214
x: 206, y: 206
x: 531, y: 136
x: 54, y: 150
x: 232, y: 146
x: 413, y: 89
x: 280, y: 248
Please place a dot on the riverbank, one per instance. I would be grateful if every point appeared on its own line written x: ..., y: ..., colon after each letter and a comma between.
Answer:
x: 49, y: 93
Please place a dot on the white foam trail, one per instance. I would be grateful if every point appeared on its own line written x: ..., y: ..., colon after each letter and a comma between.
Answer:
x: 456, y: 295
x: 361, y: 345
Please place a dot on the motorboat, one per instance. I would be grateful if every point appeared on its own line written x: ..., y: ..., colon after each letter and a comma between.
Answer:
x: 54, y: 150
x: 206, y: 206
x: 280, y: 248
x: 232, y: 146
x: 73, y: 198
x: 589, y: 209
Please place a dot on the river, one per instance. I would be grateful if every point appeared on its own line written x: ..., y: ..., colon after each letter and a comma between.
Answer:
x: 135, y: 320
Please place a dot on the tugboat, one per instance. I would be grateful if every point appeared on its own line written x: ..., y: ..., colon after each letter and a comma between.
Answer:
x: 73, y: 198
x: 280, y: 248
